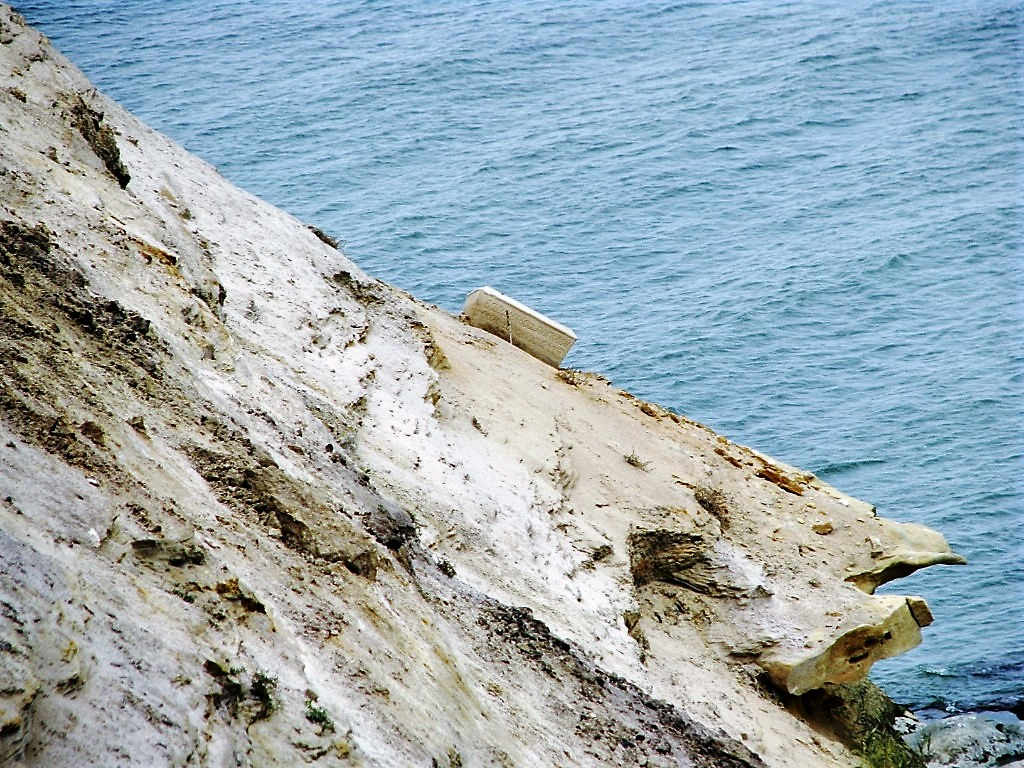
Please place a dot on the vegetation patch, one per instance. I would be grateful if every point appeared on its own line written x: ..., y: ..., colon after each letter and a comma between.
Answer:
x: 253, y: 699
x: 319, y: 717
x: 862, y: 716
x: 635, y: 461
x: 264, y: 690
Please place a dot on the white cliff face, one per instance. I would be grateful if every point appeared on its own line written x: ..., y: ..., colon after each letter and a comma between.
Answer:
x: 257, y: 508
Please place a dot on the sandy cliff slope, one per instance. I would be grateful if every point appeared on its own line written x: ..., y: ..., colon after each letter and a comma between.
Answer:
x: 258, y: 508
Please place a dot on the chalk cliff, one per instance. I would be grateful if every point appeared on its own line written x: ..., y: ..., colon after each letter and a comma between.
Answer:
x: 258, y: 508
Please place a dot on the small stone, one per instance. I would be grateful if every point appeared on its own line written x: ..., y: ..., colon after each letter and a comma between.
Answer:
x: 94, y: 432
x: 823, y: 528
x: 920, y: 611
x: 876, y: 547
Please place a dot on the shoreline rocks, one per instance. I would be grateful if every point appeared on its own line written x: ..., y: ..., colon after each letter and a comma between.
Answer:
x: 969, y: 740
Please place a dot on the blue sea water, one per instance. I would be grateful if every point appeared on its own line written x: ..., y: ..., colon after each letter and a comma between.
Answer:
x: 797, y: 222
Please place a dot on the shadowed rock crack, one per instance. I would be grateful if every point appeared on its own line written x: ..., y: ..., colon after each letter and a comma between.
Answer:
x: 100, y: 138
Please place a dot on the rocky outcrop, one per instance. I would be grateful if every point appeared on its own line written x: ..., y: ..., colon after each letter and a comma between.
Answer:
x: 258, y: 508
x: 910, y: 548
x: 871, y: 631
x: 100, y: 138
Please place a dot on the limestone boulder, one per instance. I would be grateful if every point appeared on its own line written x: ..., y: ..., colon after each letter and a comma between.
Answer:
x: 877, y: 628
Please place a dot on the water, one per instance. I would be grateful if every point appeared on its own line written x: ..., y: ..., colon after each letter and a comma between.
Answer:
x: 798, y: 222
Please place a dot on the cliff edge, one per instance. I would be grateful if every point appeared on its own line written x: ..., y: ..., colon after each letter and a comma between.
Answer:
x: 258, y: 508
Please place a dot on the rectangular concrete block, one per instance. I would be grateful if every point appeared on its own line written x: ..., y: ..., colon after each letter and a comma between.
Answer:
x: 517, y: 324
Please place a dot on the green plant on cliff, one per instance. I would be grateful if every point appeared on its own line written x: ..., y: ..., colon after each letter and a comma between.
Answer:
x: 263, y: 690
x: 886, y: 751
x: 255, y: 701
x: 319, y: 716
x: 862, y: 716
x: 877, y: 742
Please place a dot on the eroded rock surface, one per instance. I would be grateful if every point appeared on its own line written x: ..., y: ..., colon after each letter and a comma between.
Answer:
x: 259, y: 508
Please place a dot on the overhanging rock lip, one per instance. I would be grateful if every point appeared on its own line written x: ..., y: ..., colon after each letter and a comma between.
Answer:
x: 879, y: 628
x: 899, y: 565
x: 533, y: 332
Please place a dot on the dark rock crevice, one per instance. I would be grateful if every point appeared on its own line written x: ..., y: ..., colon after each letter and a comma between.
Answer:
x: 100, y: 138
